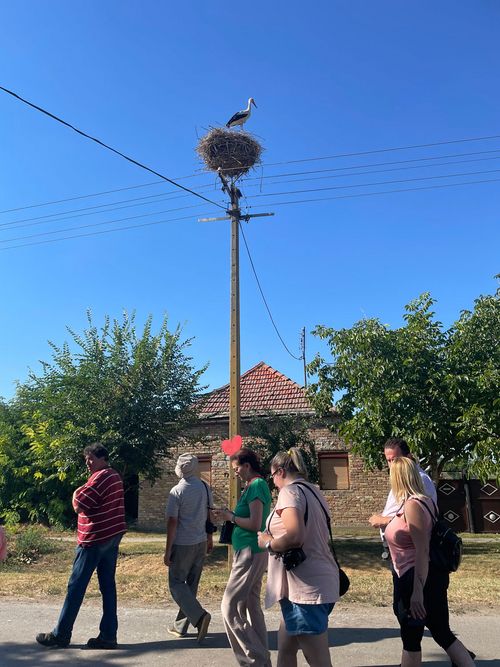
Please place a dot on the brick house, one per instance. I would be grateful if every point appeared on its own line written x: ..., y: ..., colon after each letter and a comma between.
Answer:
x: 353, y: 493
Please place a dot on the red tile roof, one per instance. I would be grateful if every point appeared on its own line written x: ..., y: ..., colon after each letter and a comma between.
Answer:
x: 263, y: 389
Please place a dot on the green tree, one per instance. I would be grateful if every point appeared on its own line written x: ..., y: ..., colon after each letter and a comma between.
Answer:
x: 436, y: 388
x: 273, y: 433
x: 134, y: 392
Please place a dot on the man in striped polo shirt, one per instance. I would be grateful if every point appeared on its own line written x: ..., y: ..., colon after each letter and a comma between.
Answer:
x: 99, y: 504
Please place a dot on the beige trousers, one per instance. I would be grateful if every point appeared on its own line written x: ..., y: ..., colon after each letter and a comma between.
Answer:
x: 241, y: 609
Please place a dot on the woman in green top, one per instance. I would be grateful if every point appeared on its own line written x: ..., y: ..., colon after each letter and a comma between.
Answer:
x: 241, y: 609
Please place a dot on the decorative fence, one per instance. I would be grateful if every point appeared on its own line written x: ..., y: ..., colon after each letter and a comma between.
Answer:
x: 470, y: 505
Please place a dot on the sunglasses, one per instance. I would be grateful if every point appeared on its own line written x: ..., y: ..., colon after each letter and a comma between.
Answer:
x: 271, y: 476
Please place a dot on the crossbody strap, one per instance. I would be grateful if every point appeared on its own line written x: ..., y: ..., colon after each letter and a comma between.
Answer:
x: 328, y: 521
x: 208, y: 496
x: 434, y: 517
x: 306, y: 513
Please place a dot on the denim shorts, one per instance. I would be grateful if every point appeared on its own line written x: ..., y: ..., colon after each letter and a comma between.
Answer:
x: 305, y: 619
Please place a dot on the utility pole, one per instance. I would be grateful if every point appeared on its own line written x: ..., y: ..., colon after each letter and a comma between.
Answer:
x: 234, y: 215
x: 303, y: 350
x: 234, y: 354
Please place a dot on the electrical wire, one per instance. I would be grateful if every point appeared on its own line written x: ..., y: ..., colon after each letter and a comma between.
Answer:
x: 98, y: 224
x: 56, y: 217
x: 382, y: 150
x: 373, y: 194
x: 247, y: 180
x: 105, y: 231
x: 113, y: 150
x: 263, y: 297
x: 364, y: 185
x: 51, y: 217
x: 373, y: 171
x: 370, y: 164
x: 93, y: 194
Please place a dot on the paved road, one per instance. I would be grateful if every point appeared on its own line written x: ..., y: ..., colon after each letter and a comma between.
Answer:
x: 359, y: 637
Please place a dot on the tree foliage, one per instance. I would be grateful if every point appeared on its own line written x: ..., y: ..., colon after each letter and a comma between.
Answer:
x: 275, y: 433
x: 131, y: 391
x: 436, y: 388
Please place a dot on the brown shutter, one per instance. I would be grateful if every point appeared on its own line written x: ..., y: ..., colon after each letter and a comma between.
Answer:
x: 334, y: 471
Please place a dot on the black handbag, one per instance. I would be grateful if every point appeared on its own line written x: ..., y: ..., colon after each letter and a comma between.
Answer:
x: 210, y: 527
x: 344, y: 581
x: 226, y: 532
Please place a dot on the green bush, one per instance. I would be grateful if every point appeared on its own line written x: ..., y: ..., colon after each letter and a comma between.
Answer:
x: 30, y: 544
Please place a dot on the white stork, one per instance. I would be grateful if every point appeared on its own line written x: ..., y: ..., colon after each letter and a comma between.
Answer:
x: 241, y: 117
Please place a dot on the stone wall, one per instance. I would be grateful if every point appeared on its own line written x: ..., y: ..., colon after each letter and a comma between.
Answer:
x: 350, y: 507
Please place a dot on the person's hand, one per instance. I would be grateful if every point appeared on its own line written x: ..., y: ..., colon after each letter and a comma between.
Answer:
x: 417, y: 609
x: 225, y: 514
x: 210, y: 543
x: 263, y: 538
x: 167, y: 556
x: 222, y: 514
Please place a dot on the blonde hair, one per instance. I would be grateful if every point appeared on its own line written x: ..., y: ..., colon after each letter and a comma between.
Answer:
x: 405, y: 479
x: 291, y: 461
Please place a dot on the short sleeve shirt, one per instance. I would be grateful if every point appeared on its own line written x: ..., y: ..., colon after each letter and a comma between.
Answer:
x: 256, y: 490
x: 316, y: 580
x: 188, y: 502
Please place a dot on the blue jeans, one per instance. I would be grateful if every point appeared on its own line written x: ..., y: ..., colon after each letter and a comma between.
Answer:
x: 102, y: 557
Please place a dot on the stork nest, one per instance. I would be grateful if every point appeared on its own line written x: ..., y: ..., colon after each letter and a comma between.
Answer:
x: 234, y: 152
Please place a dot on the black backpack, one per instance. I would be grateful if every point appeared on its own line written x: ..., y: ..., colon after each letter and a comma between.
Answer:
x: 445, y: 547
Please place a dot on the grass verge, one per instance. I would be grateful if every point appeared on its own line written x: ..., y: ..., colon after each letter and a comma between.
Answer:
x: 142, y: 577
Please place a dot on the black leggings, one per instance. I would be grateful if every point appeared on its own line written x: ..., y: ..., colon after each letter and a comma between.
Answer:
x: 436, y: 606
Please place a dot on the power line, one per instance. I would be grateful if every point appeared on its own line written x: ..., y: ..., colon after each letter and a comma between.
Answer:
x: 113, y: 150
x: 370, y: 164
x: 364, y: 185
x: 383, y: 150
x: 263, y: 297
x: 98, y: 224
x: 88, y: 196
x: 373, y: 194
x: 51, y: 217
x: 371, y: 171
x: 105, y: 231
x: 263, y: 177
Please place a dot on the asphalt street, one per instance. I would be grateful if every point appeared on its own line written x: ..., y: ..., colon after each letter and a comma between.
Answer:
x: 359, y: 637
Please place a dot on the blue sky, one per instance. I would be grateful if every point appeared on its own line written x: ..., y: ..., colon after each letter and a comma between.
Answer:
x: 336, y: 78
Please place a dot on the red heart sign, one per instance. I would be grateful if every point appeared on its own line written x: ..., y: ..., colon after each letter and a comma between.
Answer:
x: 230, y: 447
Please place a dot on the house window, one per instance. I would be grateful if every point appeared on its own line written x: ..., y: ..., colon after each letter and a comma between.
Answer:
x: 205, y: 468
x: 334, y: 470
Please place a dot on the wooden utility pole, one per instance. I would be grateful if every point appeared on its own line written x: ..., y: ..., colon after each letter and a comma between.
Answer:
x: 303, y: 350
x: 234, y: 355
x: 234, y: 214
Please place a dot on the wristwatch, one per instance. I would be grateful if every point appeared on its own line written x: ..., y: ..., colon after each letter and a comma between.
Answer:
x: 233, y: 519
x: 268, y: 545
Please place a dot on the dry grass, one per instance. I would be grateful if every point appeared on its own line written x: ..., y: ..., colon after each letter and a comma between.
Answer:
x: 141, y: 575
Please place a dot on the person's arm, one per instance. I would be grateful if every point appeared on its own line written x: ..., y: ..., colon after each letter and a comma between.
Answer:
x: 420, y: 535
x: 379, y: 521
x: 253, y: 522
x: 293, y: 521
x: 171, y: 532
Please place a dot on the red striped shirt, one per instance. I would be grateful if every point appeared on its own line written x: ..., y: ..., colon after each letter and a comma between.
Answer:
x: 101, y: 509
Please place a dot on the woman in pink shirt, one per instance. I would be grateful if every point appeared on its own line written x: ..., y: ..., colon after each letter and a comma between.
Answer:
x: 308, y: 591
x: 420, y: 590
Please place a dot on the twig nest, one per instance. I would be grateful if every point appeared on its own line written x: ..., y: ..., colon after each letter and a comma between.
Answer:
x: 234, y: 152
